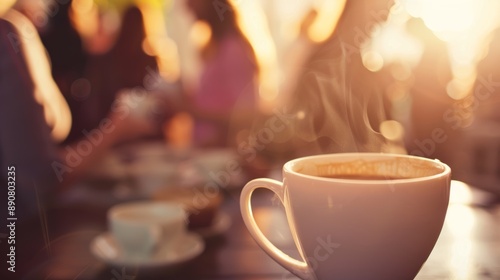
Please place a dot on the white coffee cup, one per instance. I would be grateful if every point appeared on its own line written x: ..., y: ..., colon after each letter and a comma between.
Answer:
x: 357, y: 228
x: 145, y: 229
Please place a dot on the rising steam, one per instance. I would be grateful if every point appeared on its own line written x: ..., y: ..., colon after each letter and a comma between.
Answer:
x: 335, y: 105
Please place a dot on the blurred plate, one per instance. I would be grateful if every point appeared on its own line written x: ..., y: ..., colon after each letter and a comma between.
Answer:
x: 105, y: 248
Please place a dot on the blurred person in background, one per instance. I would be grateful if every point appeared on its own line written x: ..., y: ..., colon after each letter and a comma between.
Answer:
x: 34, y: 117
x: 225, y: 100
x: 116, y: 62
x: 337, y: 104
x: 68, y: 60
x: 429, y: 97
x: 487, y: 96
x: 124, y: 66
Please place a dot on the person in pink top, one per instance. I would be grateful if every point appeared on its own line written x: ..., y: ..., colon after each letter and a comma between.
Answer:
x: 225, y: 100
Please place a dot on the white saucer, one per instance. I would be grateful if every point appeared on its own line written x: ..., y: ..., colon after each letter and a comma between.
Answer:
x: 105, y: 248
x: 221, y: 223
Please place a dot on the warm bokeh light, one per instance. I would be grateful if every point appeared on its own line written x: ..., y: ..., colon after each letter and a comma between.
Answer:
x: 161, y: 46
x: 393, y: 43
x: 286, y: 20
x: 373, y: 61
x: 402, y: 71
x: 329, y: 13
x: 178, y: 131
x: 460, y: 193
x: 445, y: 17
x: 121, y: 4
x: 84, y: 15
x: 465, y: 26
x: 255, y: 27
x: 461, y: 220
x: 272, y: 222
x: 200, y: 34
x: 301, y: 115
x: 459, y: 88
x: 5, y: 5
x: 392, y: 130
x: 460, y: 30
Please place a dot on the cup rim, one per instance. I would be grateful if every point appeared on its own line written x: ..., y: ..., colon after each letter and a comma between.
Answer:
x: 176, y: 209
x: 288, y: 168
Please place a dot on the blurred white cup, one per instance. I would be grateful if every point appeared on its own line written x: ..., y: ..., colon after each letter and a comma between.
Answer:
x: 146, y: 229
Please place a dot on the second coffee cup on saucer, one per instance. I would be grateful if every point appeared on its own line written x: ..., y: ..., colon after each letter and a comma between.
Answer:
x: 145, y: 229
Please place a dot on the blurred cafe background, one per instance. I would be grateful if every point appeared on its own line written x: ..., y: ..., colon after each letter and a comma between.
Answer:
x: 104, y: 102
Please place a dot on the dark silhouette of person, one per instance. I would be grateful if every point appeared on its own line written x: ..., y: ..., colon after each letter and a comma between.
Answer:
x: 486, y: 87
x: 429, y: 95
x: 129, y: 62
x: 338, y: 104
x: 124, y: 66
x: 68, y: 60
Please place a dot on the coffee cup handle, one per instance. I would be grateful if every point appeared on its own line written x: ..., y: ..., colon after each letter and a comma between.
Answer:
x: 299, y: 268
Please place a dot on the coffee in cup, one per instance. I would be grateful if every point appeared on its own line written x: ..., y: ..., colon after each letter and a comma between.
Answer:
x: 357, y: 215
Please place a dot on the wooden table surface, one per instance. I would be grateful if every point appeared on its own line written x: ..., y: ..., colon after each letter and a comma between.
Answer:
x: 468, y: 248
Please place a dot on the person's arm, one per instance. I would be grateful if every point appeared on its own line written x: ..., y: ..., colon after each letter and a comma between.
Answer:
x: 25, y: 137
x: 26, y: 145
x: 121, y: 124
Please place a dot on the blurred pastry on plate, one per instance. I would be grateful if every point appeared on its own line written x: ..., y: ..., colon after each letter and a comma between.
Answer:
x: 202, y: 203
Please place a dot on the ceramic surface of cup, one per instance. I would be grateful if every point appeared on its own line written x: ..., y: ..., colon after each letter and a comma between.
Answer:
x: 143, y: 229
x: 357, y: 216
